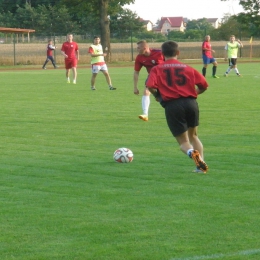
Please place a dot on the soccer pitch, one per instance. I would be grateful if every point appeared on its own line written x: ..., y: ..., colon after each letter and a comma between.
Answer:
x: 64, y: 198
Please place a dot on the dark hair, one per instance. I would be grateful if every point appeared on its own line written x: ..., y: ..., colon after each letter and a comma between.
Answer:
x: 170, y: 49
x: 96, y: 36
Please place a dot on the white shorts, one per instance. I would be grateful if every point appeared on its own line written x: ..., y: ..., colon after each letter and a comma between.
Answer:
x: 97, y: 68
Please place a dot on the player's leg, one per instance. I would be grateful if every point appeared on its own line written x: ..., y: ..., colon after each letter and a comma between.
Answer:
x: 93, y: 80
x: 45, y: 63
x: 229, y: 68
x: 145, y: 104
x: 182, y: 117
x: 74, y: 63
x: 68, y: 67
x: 95, y: 69
x: 52, y: 61
x: 205, y: 65
x: 214, y: 68
x: 234, y: 62
x: 68, y: 75
x: 108, y: 79
x: 195, y: 141
x: 74, y: 71
x: 191, y: 149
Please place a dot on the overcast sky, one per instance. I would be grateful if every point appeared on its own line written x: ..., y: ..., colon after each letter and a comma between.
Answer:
x: 192, y: 9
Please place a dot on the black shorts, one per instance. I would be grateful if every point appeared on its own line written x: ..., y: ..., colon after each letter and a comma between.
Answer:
x: 232, y: 61
x: 181, y: 114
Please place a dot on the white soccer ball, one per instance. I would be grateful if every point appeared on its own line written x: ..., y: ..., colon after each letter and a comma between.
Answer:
x: 123, y: 155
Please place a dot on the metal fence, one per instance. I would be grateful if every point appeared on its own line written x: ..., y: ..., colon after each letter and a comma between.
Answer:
x: 35, y: 53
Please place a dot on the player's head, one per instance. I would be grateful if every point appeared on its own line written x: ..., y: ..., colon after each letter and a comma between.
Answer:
x: 207, y: 38
x: 232, y: 38
x: 50, y: 41
x: 96, y: 39
x: 170, y: 49
x: 143, y: 47
x: 69, y: 37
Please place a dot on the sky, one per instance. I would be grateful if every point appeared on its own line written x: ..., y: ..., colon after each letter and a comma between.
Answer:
x: 192, y: 9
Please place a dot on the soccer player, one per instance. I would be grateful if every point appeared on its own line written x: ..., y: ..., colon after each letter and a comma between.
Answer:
x: 98, y: 63
x: 174, y: 83
x: 208, y: 58
x: 70, y: 51
x: 50, y: 48
x: 148, y: 58
x: 231, y: 53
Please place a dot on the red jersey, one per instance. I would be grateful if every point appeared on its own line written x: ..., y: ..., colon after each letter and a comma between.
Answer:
x: 70, y: 48
x: 206, y: 45
x: 50, y: 48
x: 150, y: 61
x: 174, y: 79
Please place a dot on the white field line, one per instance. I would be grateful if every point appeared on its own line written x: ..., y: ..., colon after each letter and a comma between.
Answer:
x: 217, y: 256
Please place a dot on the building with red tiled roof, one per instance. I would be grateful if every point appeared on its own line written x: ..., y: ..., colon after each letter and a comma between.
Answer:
x: 168, y: 24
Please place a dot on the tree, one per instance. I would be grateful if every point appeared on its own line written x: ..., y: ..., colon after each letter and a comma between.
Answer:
x: 231, y: 26
x: 103, y: 9
x: 251, y: 17
x: 13, y: 5
x: 124, y: 23
x: 7, y: 19
x: 173, y: 35
x: 201, y: 24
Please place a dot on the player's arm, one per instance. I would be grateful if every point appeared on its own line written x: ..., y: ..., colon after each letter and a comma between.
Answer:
x: 226, y: 52
x: 91, y: 51
x: 77, y: 54
x: 155, y: 92
x: 240, y: 43
x: 136, y: 77
x: 204, y: 48
x: 64, y: 54
x: 200, y: 90
x: 200, y: 82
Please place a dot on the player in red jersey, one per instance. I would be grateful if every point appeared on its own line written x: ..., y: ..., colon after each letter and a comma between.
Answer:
x: 208, y: 58
x: 50, y: 48
x: 70, y: 51
x: 173, y: 83
x: 147, y: 58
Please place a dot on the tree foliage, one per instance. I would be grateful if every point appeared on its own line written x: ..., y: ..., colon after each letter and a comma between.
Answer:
x: 250, y: 19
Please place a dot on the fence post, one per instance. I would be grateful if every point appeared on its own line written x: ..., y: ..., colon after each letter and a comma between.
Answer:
x: 14, y: 51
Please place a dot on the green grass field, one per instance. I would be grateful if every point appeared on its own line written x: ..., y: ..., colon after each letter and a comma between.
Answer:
x: 64, y: 198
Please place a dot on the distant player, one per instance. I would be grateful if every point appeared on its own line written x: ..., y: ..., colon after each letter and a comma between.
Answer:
x: 147, y: 58
x: 98, y: 63
x: 208, y: 58
x: 231, y: 53
x: 50, y: 48
x: 70, y: 51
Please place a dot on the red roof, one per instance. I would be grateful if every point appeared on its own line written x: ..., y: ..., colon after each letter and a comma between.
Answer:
x: 173, y: 21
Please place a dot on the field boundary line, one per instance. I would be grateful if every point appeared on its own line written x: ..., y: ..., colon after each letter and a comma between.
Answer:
x: 216, y: 256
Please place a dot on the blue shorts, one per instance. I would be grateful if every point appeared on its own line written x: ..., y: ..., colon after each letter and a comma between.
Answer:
x: 207, y: 60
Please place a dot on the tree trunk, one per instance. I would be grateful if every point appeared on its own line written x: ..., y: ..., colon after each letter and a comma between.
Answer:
x: 105, y: 31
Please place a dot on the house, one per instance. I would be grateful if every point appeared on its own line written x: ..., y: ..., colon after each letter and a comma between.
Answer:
x: 167, y: 24
x: 214, y: 22
x: 148, y: 25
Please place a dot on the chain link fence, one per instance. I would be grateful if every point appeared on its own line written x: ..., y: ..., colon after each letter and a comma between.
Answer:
x: 18, y: 51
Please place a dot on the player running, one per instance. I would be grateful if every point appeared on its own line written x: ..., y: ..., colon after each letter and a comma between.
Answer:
x: 178, y: 85
x: 147, y: 58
